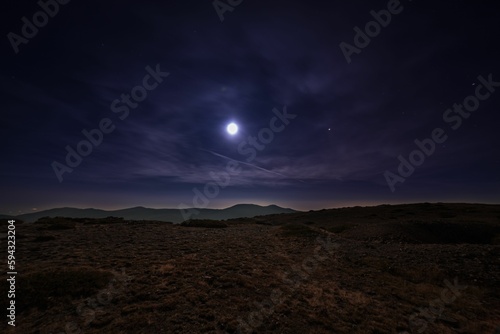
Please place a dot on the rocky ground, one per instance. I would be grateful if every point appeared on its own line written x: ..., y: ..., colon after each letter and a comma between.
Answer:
x: 426, y: 268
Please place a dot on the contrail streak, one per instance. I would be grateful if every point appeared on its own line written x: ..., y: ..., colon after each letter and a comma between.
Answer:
x: 246, y: 163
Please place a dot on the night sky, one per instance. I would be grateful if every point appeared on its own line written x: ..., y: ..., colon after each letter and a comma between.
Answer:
x: 322, y: 122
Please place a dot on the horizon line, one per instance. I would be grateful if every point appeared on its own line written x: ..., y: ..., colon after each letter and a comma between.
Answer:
x: 239, y: 204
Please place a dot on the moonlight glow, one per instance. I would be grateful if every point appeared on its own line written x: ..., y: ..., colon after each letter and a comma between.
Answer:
x: 232, y: 129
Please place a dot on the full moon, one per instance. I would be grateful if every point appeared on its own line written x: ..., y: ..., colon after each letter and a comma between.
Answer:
x: 232, y: 129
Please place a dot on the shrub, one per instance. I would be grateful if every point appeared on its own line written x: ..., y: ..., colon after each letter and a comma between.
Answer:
x: 298, y: 230
x: 57, y: 223
x: 206, y: 223
x: 43, y: 238
x: 337, y: 229
x: 50, y: 287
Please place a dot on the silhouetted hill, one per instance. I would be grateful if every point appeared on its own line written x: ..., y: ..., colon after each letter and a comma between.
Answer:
x: 170, y: 215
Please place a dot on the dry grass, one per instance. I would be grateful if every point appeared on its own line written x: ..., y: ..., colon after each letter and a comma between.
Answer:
x: 209, y: 280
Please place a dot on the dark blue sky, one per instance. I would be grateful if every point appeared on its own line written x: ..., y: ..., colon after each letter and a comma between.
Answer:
x: 352, y: 120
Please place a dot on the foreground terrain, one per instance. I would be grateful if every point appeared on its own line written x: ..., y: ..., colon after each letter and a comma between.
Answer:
x: 423, y: 268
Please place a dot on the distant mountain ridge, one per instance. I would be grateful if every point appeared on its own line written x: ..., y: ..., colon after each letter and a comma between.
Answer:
x: 170, y: 215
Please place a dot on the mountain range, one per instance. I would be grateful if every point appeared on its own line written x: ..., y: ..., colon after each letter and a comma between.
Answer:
x: 168, y: 215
